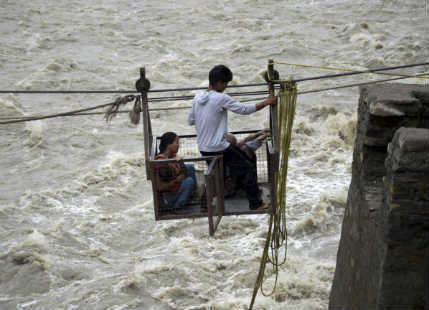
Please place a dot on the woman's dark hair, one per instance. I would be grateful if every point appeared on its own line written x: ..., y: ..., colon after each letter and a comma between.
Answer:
x: 166, y: 139
x: 219, y: 73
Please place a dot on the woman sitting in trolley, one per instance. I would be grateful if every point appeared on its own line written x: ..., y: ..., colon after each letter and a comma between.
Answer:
x: 176, y: 181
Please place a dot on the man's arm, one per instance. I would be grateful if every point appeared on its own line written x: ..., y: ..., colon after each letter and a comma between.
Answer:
x: 254, y: 136
x: 243, y: 108
x: 270, y: 100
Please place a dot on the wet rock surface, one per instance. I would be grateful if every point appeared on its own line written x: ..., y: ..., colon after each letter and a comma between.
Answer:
x: 382, y: 261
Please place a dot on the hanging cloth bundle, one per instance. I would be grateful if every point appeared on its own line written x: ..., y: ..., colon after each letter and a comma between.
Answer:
x: 134, y: 114
x: 277, y: 231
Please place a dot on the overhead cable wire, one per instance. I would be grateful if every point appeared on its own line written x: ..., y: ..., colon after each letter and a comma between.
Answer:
x: 320, y: 77
x: 358, y: 84
x: 202, y: 88
x: 69, y: 113
x: 118, y: 91
x: 181, y: 98
x: 344, y: 69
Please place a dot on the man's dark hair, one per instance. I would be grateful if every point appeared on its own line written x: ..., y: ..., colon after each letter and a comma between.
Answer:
x: 219, y: 73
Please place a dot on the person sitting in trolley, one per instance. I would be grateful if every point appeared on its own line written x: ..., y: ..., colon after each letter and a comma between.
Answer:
x: 176, y: 180
x: 248, y: 146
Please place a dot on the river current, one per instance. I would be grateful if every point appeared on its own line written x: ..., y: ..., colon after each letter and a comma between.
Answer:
x: 77, y: 228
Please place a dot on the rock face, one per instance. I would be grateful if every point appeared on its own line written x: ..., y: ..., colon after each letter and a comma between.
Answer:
x: 383, y: 257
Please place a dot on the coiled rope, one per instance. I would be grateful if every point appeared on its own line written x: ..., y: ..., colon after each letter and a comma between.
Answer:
x: 277, y: 231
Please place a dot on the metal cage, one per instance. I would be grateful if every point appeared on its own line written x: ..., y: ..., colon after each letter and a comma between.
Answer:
x: 208, y: 200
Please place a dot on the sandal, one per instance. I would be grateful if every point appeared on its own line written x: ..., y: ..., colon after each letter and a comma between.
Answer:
x: 263, y: 206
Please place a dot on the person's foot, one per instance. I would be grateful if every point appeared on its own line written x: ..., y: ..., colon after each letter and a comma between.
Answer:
x: 261, y: 206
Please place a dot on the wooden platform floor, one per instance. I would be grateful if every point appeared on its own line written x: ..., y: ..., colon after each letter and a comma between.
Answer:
x: 233, y: 206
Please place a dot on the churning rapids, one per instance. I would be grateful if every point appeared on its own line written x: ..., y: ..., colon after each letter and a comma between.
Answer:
x: 76, y: 212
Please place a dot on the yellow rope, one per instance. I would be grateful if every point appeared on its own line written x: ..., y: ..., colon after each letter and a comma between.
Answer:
x: 347, y: 70
x: 277, y: 231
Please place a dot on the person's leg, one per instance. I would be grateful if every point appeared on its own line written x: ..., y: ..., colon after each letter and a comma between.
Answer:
x: 186, y: 189
x: 166, y: 201
x: 214, y: 154
x: 244, y: 173
x: 190, y: 171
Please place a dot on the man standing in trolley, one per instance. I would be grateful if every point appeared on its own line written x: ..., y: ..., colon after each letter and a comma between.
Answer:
x: 209, y: 114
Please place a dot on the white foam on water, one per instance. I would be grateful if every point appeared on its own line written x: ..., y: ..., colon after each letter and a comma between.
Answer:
x: 342, y: 126
x: 79, y: 218
x: 27, y: 304
x: 35, y: 130
x: 9, y: 104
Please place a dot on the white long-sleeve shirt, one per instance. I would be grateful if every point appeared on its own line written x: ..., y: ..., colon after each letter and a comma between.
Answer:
x: 209, y: 114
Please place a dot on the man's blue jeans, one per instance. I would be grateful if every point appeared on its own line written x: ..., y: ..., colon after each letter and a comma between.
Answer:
x: 185, y: 191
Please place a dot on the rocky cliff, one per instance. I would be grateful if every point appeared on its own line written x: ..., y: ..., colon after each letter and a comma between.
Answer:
x: 382, y: 261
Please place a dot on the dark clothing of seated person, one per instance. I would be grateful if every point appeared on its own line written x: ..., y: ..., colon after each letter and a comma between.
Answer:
x: 248, y: 147
x: 176, y: 180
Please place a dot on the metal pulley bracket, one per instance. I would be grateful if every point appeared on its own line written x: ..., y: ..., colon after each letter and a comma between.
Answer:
x: 142, y: 84
x: 274, y: 75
